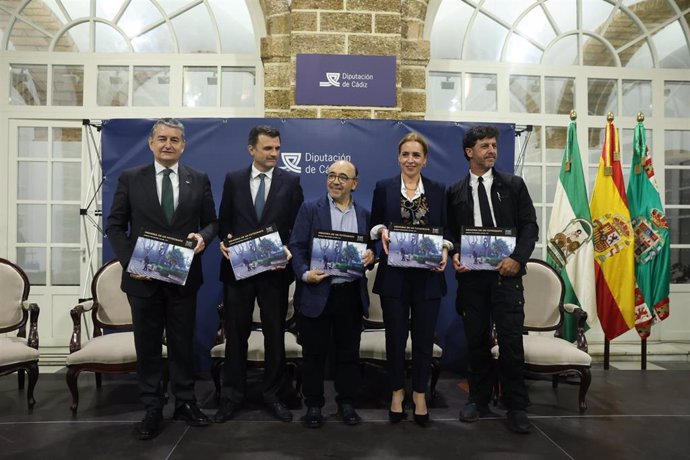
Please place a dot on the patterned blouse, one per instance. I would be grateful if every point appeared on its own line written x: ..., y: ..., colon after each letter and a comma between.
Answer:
x: 414, y: 212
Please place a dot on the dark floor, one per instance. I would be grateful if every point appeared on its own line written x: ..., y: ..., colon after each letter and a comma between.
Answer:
x: 632, y: 414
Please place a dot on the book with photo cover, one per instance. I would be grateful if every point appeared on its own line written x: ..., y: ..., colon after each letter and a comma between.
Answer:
x: 338, y: 253
x: 256, y: 252
x: 415, y: 246
x: 482, y: 248
x: 162, y: 257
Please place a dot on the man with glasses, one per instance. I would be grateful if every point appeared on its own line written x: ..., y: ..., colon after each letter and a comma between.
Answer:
x: 328, y: 302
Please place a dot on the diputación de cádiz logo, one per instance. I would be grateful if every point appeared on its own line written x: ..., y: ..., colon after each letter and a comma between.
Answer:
x: 291, y: 161
x: 333, y: 79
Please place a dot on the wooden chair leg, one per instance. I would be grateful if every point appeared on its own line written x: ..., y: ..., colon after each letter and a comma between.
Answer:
x: 33, y: 378
x: 99, y: 380
x: 585, y: 381
x: 554, y: 381
x: 435, y: 374
x: 215, y: 374
x: 72, y: 375
x: 20, y: 379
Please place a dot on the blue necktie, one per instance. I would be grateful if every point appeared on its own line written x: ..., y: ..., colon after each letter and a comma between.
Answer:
x: 167, y: 200
x: 260, y: 200
x: 484, y: 208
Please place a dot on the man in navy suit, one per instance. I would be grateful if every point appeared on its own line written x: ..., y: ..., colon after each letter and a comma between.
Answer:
x: 172, y: 199
x: 330, y: 302
x: 254, y: 198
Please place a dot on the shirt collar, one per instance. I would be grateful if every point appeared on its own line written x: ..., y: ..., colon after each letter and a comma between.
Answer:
x: 160, y: 168
x: 489, y: 175
x: 334, y: 204
x: 256, y: 172
x: 418, y: 192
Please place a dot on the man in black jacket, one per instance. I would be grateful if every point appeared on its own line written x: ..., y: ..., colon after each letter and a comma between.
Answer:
x: 484, y: 295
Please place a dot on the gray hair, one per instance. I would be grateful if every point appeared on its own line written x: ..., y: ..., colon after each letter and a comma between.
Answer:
x: 169, y: 122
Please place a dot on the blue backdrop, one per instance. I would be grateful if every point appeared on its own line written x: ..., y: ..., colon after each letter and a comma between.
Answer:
x: 309, y: 146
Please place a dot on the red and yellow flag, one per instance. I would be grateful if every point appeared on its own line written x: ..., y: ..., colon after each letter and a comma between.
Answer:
x: 613, y: 241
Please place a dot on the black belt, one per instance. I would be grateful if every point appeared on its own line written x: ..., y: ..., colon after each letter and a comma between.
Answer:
x: 347, y: 284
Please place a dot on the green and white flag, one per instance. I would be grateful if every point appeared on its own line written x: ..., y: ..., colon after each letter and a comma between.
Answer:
x: 652, y: 245
x: 569, y: 239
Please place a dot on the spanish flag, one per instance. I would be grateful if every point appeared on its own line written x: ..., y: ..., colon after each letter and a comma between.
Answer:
x: 614, y: 267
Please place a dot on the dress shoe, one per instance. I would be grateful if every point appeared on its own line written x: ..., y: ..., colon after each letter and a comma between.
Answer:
x: 226, y: 411
x: 190, y: 413
x: 518, y: 422
x: 420, y: 419
x: 473, y: 411
x: 396, y: 417
x: 313, y: 418
x: 280, y: 411
x: 348, y: 414
x: 150, y: 426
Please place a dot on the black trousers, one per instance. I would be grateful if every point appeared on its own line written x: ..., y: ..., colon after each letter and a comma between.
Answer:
x: 164, y: 311
x: 271, y: 292
x: 342, y: 317
x: 484, y: 296
x: 412, y: 313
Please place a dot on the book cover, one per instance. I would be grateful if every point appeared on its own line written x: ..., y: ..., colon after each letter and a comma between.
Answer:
x: 338, y: 253
x: 256, y: 252
x: 162, y: 257
x: 482, y: 248
x: 415, y: 246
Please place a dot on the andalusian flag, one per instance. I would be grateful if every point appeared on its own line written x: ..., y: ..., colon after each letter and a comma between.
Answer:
x: 652, y: 245
x: 613, y: 242
x: 569, y: 243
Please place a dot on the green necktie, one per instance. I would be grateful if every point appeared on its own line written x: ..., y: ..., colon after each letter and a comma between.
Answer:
x: 167, y: 200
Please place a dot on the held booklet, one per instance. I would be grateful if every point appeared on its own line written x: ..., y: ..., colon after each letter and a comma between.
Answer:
x: 482, y: 248
x: 415, y: 246
x: 162, y: 257
x: 338, y: 253
x: 256, y: 252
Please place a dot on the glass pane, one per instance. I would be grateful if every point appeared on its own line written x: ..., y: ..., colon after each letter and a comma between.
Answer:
x: 521, y: 50
x: 31, y: 223
x: 563, y: 52
x: 66, y: 181
x: 32, y: 180
x: 159, y: 40
x: 68, y: 85
x: 448, y: 31
x: 677, y: 186
x: 677, y: 147
x: 533, y: 180
x: 637, y: 97
x: 594, y: 14
x: 679, y: 225
x: 525, y: 94
x: 109, y: 40
x: 77, y: 9
x: 28, y: 84
x: 444, y: 91
x: 672, y: 46
x: 552, y: 175
x: 64, y: 266
x: 556, y: 138
x: 563, y: 13
x: 65, y: 223
x: 559, y: 95
x: 627, y: 136
x: 676, y: 99
x: 32, y: 142
x: 237, y: 87
x: 236, y: 34
x: 76, y: 39
x: 591, y: 178
x: 595, y: 139
x: 602, y: 96
x: 506, y: 10
x: 480, y: 92
x: 536, y: 26
x: 533, y: 151
x: 200, y: 87
x: 66, y: 142
x: 638, y: 56
x: 485, y: 39
x: 139, y: 15
x: 680, y: 265
x: 195, y: 32
x: 107, y: 9
x: 151, y: 86
x: 33, y: 262
x: 170, y: 6
x: 596, y: 53
x: 24, y: 37
x: 113, y: 86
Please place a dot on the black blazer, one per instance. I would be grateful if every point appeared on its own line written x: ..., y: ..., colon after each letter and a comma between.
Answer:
x: 512, y: 208
x: 136, y: 207
x: 385, y: 209
x: 237, y: 215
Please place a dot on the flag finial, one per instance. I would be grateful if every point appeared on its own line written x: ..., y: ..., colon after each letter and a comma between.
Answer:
x: 609, y: 116
x: 573, y: 115
x: 640, y: 117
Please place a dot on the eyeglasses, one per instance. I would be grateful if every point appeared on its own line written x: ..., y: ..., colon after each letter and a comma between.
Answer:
x: 333, y: 177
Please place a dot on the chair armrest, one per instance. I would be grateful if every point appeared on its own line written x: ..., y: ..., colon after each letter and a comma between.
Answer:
x: 220, y: 333
x: 33, y: 310
x: 581, y: 321
x: 76, y: 314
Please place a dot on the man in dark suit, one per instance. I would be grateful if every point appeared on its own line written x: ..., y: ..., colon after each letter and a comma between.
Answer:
x: 330, y: 302
x: 172, y: 199
x: 484, y: 296
x: 253, y: 198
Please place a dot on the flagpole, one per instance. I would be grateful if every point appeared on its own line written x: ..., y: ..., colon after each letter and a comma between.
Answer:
x: 643, y: 340
x: 606, y: 353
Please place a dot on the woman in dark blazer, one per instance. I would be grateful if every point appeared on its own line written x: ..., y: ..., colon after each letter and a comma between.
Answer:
x: 409, y: 293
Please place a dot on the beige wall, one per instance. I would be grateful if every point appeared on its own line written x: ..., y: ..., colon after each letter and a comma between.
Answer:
x: 373, y: 27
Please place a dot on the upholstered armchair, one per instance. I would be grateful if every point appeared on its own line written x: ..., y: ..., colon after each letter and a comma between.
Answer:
x: 18, y: 353
x: 256, y: 354
x: 111, y: 349
x: 545, y: 351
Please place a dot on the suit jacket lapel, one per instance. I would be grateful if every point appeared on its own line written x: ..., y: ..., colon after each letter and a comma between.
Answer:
x: 324, y: 213
x: 276, y: 185
x: 185, y: 189
x: 394, y: 201
x: 150, y: 194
